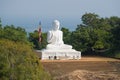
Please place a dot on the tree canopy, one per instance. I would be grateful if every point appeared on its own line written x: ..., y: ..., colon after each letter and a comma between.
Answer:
x: 13, y: 33
x: 34, y: 38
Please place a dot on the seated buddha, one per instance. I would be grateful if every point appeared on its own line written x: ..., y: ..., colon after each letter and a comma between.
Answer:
x: 55, y: 38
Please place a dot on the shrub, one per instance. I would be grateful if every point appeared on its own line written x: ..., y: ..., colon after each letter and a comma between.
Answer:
x: 19, y: 62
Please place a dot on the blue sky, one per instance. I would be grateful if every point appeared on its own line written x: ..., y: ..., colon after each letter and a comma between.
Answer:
x: 28, y: 13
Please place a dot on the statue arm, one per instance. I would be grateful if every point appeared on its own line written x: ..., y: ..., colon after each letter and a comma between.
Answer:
x: 61, y: 37
x: 49, y: 37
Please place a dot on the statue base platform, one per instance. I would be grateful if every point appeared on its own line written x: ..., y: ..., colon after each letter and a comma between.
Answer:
x: 59, y: 54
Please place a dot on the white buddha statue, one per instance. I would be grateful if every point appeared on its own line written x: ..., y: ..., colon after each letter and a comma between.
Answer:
x: 55, y: 38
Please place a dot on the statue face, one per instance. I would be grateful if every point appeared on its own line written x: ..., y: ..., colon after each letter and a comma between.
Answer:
x: 56, y: 25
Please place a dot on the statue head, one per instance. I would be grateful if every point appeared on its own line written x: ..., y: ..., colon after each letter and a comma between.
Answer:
x: 56, y: 25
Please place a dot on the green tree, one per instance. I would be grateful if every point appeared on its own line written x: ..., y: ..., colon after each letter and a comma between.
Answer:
x: 0, y: 23
x: 19, y: 62
x: 115, y: 40
x: 81, y: 39
x: 66, y: 35
x: 1, y: 29
x: 93, y: 33
x: 34, y: 38
x: 90, y: 19
x: 13, y: 33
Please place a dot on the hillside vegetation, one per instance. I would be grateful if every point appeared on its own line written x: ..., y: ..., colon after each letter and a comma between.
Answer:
x: 17, y: 58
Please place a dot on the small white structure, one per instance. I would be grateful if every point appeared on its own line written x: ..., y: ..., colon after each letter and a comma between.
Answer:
x: 56, y: 49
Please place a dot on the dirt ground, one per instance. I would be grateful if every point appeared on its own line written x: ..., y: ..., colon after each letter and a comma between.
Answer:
x: 87, y: 68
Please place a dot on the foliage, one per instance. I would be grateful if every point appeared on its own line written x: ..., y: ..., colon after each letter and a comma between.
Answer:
x: 13, y: 33
x: 19, y: 62
x: 117, y: 54
x: 0, y: 24
x: 90, y: 19
x: 92, y: 33
x: 66, y: 35
x: 116, y: 33
x: 34, y: 37
x: 95, y: 33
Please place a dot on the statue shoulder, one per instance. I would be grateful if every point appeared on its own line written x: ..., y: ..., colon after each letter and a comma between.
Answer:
x: 60, y: 31
x: 49, y: 31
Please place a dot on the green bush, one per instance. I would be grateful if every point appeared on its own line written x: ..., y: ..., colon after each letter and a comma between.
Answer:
x: 117, y: 54
x: 34, y: 38
x: 19, y: 62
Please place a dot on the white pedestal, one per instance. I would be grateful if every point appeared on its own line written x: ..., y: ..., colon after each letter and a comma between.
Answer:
x: 59, y: 54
